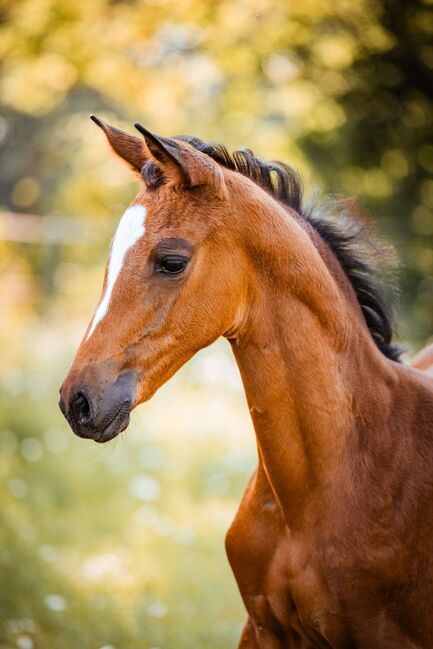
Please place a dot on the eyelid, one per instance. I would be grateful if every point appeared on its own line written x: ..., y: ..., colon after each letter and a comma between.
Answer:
x: 172, y: 253
x: 173, y: 246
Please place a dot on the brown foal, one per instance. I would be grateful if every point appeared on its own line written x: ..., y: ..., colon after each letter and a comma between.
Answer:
x: 332, y: 545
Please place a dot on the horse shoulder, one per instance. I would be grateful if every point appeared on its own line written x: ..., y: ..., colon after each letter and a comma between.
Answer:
x: 283, y: 593
x: 256, y: 529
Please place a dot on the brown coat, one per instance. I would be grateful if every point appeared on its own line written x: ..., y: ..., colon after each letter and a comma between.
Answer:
x: 333, y: 542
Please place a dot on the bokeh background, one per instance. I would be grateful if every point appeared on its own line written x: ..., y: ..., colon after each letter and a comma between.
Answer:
x: 122, y: 546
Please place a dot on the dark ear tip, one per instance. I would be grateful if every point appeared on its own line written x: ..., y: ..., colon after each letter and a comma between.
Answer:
x: 98, y: 121
x: 141, y: 129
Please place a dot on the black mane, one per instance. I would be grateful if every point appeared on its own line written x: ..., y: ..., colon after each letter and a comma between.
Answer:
x: 337, y: 224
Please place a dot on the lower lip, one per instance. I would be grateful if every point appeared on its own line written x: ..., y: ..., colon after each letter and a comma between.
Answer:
x: 114, y: 428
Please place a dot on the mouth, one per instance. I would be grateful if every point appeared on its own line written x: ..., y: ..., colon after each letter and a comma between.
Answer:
x: 116, y: 425
x: 97, y: 412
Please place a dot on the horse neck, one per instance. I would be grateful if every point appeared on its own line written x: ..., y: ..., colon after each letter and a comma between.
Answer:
x: 296, y: 351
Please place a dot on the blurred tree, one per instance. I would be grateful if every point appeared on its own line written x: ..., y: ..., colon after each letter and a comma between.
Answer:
x: 123, y: 548
x: 341, y: 90
x: 384, y: 149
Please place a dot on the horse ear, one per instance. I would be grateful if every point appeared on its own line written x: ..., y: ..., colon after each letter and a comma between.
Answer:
x: 166, y: 151
x: 187, y: 166
x: 128, y: 147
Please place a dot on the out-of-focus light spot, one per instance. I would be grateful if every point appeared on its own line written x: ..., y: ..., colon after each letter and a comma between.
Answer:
x: 336, y: 51
x: 151, y: 458
x: 394, y: 162
x: 376, y: 184
x: 203, y: 73
x: 108, y: 646
x: 376, y: 38
x: 280, y: 67
x: 48, y: 553
x: 56, y: 440
x: 144, y: 488
x: 25, y: 192
x: 32, y: 449
x: 101, y: 566
x: 18, y: 488
x: 146, y: 54
x: 40, y: 84
x: 157, y: 609
x: 55, y: 603
x: 24, y: 642
x: 179, y: 37
x: 326, y: 116
x: 415, y: 114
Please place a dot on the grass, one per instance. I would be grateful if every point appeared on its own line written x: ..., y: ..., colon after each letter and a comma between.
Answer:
x: 121, y: 546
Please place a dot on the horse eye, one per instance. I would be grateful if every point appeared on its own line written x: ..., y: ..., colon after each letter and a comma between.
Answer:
x: 171, y: 265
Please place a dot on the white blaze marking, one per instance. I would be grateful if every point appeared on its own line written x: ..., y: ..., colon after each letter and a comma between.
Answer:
x: 129, y: 230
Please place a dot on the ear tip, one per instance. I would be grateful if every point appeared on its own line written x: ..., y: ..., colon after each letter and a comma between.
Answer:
x: 141, y: 128
x: 98, y: 121
x: 149, y: 137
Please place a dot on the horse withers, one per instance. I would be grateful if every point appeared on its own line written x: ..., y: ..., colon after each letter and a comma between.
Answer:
x: 332, y: 545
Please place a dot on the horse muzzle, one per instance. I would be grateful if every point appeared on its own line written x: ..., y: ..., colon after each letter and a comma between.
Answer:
x: 98, y: 414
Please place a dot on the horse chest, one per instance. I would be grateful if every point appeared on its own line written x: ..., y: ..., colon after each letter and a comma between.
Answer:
x: 287, y: 603
x: 285, y: 590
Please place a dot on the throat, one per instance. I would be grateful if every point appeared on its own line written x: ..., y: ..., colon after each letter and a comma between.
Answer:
x: 299, y: 403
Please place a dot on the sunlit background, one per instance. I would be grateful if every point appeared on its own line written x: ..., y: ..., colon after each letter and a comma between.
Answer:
x: 121, y: 547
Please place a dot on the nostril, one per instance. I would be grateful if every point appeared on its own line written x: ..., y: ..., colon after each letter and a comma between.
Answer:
x: 81, y: 408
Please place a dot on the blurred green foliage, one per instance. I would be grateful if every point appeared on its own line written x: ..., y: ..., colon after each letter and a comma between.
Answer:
x: 342, y: 90
x: 122, y: 547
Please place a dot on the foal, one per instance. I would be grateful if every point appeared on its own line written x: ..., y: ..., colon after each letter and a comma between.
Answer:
x: 332, y: 544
